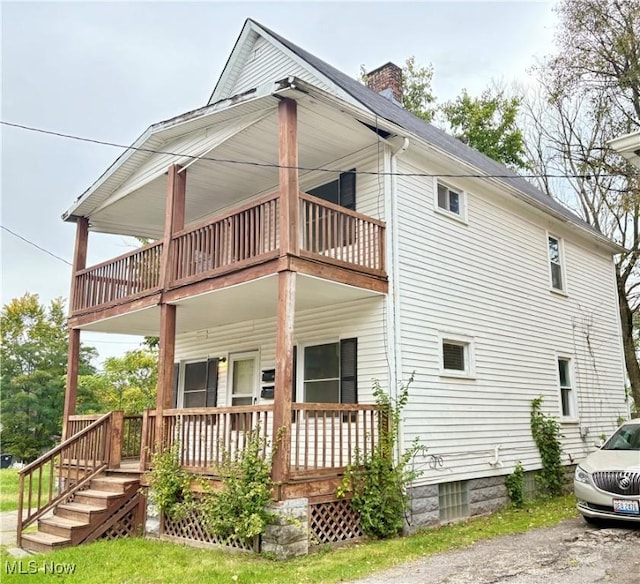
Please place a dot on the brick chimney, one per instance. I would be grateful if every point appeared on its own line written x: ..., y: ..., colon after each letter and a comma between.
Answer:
x: 387, y: 81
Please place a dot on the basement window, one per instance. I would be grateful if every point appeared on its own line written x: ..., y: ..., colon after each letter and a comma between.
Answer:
x: 453, y: 500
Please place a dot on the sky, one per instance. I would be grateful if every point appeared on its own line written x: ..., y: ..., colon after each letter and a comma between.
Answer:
x: 107, y: 70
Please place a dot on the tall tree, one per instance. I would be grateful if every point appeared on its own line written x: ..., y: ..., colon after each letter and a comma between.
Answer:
x: 33, y: 364
x: 489, y: 124
x: 589, y: 94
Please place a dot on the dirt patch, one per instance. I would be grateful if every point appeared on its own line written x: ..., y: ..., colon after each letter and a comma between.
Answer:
x: 569, y: 553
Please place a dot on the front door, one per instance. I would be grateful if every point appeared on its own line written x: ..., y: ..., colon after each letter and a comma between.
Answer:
x: 243, y: 377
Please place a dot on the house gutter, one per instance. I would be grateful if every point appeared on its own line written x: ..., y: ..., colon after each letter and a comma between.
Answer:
x: 391, y: 216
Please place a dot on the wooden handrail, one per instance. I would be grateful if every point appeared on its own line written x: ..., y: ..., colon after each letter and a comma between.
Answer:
x: 90, y: 447
x: 133, y: 252
x: 230, y: 213
x: 340, y: 209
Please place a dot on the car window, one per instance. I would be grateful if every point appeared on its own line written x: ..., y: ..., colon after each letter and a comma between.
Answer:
x: 625, y: 438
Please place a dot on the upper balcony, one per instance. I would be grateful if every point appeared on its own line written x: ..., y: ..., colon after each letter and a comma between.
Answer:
x: 245, y: 236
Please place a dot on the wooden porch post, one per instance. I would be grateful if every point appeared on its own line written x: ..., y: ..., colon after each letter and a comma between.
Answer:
x: 289, y: 245
x: 165, y: 367
x: 73, y: 354
x: 173, y: 222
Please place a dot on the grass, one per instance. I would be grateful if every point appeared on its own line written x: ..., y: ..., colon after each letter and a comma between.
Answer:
x: 8, y: 489
x: 146, y: 561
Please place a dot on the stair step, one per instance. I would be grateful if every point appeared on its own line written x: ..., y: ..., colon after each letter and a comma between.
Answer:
x: 98, y: 494
x: 62, y: 526
x: 113, y: 483
x: 38, y: 541
x: 78, y: 511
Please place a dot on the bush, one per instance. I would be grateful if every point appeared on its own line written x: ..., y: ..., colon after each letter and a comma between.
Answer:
x: 515, y: 485
x: 546, y: 434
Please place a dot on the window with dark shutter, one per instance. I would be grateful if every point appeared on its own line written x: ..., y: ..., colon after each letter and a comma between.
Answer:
x: 349, y: 371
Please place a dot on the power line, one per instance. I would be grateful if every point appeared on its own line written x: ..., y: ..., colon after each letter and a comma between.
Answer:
x: 53, y: 255
x: 586, y: 176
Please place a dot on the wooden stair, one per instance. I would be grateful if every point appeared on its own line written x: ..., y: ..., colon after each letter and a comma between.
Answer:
x: 90, y: 513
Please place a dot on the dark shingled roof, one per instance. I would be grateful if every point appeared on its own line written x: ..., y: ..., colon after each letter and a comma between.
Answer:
x: 398, y: 115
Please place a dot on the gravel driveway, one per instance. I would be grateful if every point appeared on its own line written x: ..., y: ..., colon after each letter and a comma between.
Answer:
x: 569, y: 553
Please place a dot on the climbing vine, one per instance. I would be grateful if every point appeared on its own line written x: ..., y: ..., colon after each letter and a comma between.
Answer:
x: 515, y: 485
x: 546, y: 434
x: 377, y: 483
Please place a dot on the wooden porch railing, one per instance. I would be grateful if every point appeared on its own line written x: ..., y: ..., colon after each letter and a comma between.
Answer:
x: 131, y: 431
x: 63, y: 470
x: 124, y: 277
x: 206, y: 434
x: 340, y: 236
x: 242, y: 236
x: 325, y: 437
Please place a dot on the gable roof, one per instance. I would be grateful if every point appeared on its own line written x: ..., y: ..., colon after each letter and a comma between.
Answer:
x: 398, y: 115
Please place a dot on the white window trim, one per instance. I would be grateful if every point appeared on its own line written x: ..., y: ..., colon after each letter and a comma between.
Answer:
x: 464, y: 200
x: 563, y: 264
x: 574, y: 416
x: 251, y: 353
x: 300, y: 366
x: 469, y: 354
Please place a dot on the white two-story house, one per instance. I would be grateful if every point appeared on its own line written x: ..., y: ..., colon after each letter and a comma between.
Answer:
x: 310, y: 235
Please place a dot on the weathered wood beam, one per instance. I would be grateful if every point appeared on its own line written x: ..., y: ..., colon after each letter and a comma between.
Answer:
x: 288, y: 173
x: 71, y: 388
x: 79, y: 256
x: 165, y: 366
x: 284, y: 376
x: 173, y: 218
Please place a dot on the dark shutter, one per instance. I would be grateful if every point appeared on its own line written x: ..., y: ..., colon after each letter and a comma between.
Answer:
x: 211, y: 400
x: 176, y: 379
x: 348, y: 189
x: 349, y: 371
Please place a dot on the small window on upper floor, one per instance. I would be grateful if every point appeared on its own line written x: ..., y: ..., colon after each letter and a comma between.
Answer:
x: 451, y: 200
x: 556, y: 264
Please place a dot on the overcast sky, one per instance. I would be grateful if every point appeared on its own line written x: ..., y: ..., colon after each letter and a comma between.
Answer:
x: 108, y: 70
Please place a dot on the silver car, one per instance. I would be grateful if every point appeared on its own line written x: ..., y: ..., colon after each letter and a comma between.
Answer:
x: 607, y: 482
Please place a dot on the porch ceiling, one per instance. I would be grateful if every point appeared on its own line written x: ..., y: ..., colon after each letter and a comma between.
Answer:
x: 248, y: 301
x: 325, y: 135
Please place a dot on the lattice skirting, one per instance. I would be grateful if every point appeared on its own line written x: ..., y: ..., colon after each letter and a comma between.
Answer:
x: 125, y: 527
x: 190, y: 529
x: 333, y: 522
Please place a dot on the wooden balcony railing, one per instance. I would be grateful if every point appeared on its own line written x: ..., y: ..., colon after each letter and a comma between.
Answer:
x: 122, y: 278
x: 340, y: 236
x: 325, y: 437
x: 243, y: 236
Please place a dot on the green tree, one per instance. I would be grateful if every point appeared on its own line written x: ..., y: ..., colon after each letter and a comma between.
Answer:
x: 489, y: 124
x: 33, y: 366
x: 590, y: 93
x: 126, y: 383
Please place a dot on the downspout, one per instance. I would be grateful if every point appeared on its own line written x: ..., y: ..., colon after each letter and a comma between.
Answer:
x: 392, y: 225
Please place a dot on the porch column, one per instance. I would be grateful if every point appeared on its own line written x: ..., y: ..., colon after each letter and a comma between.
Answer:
x: 166, y: 358
x: 289, y: 187
x: 173, y: 218
x: 284, y: 376
x: 289, y: 244
x: 73, y: 354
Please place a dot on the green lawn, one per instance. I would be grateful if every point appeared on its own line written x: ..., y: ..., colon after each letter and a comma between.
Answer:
x: 146, y: 561
x: 8, y: 489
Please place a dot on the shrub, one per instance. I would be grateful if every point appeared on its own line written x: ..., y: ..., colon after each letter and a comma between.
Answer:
x: 515, y: 485
x: 546, y: 434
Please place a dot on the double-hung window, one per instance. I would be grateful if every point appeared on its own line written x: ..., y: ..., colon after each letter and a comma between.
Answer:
x: 199, y: 384
x: 328, y: 373
x: 567, y: 392
x: 555, y: 263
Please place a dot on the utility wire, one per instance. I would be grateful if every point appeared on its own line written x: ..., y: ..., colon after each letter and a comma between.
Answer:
x: 53, y: 255
x: 586, y: 176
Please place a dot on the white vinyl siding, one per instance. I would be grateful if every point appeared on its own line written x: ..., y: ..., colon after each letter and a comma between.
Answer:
x: 362, y: 319
x: 490, y: 280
